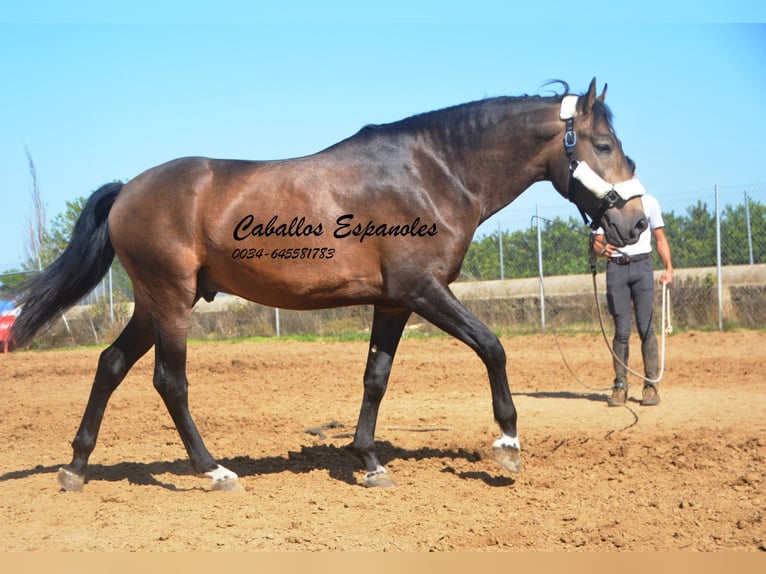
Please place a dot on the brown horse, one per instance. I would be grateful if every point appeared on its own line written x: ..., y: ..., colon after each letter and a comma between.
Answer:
x: 383, y: 218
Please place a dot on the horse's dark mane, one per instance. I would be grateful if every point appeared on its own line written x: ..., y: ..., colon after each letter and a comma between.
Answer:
x: 486, y: 110
x: 561, y: 82
x: 448, y: 114
x: 602, y: 112
x: 457, y: 112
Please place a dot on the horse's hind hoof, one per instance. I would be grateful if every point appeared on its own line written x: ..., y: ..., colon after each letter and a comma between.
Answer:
x: 224, y: 479
x: 70, y: 481
x: 227, y: 485
x: 378, y: 479
x: 508, y: 457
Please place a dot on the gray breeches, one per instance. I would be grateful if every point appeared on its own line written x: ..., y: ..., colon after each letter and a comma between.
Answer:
x: 631, y: 287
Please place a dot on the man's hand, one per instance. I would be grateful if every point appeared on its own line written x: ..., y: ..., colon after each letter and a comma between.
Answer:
x: 603, y: 249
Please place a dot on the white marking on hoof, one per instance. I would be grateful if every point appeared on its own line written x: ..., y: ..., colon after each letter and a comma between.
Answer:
x: 507, y: 452
x: 506, y: 441
x: 378, y: 478
x: 224, y: 479
x: 69, y: 481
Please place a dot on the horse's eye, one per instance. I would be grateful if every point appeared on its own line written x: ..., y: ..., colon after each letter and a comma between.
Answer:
x: 603, y: 148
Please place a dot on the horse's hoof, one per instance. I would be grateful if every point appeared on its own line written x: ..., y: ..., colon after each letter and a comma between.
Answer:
x: 70, y: 481
x: 378, y: 479
x: 224, y: 479
x: 227, y: 485
x: 508, y: 457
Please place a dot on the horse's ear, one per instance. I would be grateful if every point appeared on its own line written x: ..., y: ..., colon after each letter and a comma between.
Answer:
x: 589, y: 98
x: 602, y: 97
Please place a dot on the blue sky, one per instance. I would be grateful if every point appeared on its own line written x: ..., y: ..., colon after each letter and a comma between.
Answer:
x: 96, y: 92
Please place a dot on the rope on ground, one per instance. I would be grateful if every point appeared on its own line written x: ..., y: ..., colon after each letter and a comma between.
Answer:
x: 626, y: 427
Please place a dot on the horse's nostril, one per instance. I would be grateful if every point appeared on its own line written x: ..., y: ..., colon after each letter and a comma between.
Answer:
x: 641, y: 224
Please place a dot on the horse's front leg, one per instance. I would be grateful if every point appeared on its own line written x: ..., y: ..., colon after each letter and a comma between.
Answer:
x: 442, y: 308
x: 387, y: 327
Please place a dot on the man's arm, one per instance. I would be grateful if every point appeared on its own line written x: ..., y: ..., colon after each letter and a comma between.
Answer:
x: 663, y: 250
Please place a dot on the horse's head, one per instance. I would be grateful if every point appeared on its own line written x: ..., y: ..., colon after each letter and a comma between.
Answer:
x: 598, y: 177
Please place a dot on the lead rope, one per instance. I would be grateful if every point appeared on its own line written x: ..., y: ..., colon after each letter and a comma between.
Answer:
x: 592, y: 259
x: 571, y: 371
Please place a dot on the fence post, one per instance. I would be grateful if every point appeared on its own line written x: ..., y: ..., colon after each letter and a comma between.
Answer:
x: 749, y: 231
x: 540, y: 268
x: 500, y: 247
x: 111, y: 296
x: 718, y: 255
x: 276, y: 320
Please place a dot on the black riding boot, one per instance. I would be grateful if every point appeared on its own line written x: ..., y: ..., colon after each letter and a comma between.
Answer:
x: 620, y: 389
x: 650, y: 396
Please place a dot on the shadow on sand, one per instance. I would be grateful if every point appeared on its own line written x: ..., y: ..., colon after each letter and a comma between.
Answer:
x: 338, y: 461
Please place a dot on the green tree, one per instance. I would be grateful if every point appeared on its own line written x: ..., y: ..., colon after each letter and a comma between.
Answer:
x: 520, y: 254
x: 11, y: 280
x: 59, y: 231
x: 564, y: 246
x: 691, y: 238
x: 481, y: 261
x: 734, y: 226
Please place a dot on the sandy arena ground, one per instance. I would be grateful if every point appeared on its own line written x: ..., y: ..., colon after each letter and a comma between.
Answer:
x: 686, y: 475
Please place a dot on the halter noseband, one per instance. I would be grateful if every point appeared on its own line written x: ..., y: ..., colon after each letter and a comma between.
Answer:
x: 610, y: 194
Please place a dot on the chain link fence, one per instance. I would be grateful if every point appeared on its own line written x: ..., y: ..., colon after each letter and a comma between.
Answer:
x: 706, y: 228
x: 718, y: 242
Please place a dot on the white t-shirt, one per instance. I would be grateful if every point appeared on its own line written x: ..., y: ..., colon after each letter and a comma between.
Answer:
x: 644, y: 243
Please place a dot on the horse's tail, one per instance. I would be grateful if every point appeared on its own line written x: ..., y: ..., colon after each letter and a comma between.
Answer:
x: 75, y: 273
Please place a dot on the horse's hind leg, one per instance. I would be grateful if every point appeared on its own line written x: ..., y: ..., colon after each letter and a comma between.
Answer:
x: 114, y: 363
x: 387, y: 327
x: 438, y: 305
x: 171, y: 383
